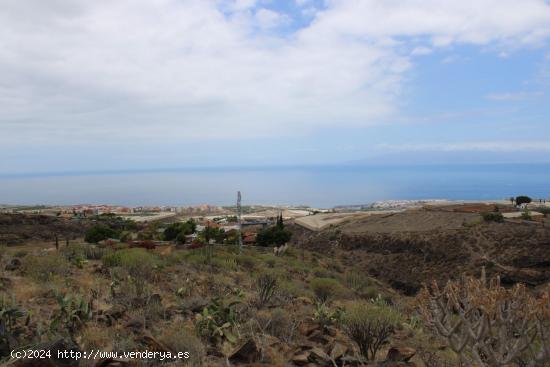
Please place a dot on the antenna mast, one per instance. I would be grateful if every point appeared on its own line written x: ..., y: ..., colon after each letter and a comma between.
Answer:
x: 239, y: 218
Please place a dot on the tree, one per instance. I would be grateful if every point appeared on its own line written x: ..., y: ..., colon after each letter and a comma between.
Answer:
x: 273, y: 236
x: 99, y: 233
x: 523, y: 200
x: 173, y: 230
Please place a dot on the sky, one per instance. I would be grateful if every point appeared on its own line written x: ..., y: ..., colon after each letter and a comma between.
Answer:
x: 135, y: 84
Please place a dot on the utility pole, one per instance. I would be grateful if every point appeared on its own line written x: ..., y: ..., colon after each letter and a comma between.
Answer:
x: 239, y: 218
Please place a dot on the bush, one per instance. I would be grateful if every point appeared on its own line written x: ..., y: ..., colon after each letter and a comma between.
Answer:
x: 43, y: 268
x: 266, y: 284
x: 277, y: 323
x: 139, y: 263
x: 98, y: 233
x: 136, y: 261
x: 180, y: 339
x: 356, y: 281
x: 493, y: 217
x: 326, y: 289
x: 370, y: 325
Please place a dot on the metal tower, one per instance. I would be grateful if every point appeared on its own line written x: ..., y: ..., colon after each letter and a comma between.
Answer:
x: 239, y: 218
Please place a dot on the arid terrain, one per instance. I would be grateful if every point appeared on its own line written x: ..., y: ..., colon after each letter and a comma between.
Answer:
x: 302, y: 306
x: 409, y: 248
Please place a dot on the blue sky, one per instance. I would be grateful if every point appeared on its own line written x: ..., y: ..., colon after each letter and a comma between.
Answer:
x: 183, y: 83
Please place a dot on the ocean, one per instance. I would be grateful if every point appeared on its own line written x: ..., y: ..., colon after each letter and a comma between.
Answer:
x: 316, y: 186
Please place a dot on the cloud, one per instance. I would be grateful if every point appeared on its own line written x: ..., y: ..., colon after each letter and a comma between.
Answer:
x: 421, y: 50
x: 267, y: 19
x: 170, y: 70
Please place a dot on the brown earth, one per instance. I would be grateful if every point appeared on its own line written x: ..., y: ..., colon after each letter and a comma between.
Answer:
x: 409, y: 248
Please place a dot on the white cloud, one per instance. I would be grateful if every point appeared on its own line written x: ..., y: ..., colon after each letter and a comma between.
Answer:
x: 421, y: 50
x: 267, y: 19
x: 177, y: 69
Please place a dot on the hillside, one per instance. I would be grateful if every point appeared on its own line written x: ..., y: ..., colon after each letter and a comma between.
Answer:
x: 409, y: 248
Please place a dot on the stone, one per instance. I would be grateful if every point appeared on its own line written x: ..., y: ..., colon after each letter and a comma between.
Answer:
x: 247, y: 352
x: 14, y: 264
x: 338, y: 350
x: 400, y: 354
x: 301, y: 359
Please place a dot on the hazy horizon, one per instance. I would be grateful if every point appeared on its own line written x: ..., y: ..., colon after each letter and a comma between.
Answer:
x: 315, y: 185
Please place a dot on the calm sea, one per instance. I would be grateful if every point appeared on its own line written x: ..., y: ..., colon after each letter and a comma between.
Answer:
x: 318, y: 186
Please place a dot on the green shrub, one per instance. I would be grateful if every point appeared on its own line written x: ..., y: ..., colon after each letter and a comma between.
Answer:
x: 526, y: 215
x: 138, y: 262
x: 43, y: 268
x: 218, y: 321
x: 370, y: 325
x: 326, y: 289
x: 325, y: 316
x: 289, y: 290
x: 98, y: 233
x: 320, y: 272
x: 370, y: 292
x: 356, y: 281
x: 178, y: 231
x: 111, y: 259
x: 493, y: 217
x: 266, y: 285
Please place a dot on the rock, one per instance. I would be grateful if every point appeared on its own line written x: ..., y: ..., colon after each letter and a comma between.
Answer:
x: 304, y: 300
x: 194, y: 304
x: 319, y: 337
x: 338, y: 350
x: 301, y: 359
x: 61, y: 345
x: 319, y: 357
x: 115, y: 312
x: 400, y: 354
x: 247, y: 352
x: 14, y: 264
x: 306, y: 328
x: 134, y: 324
x: 152, y: 343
